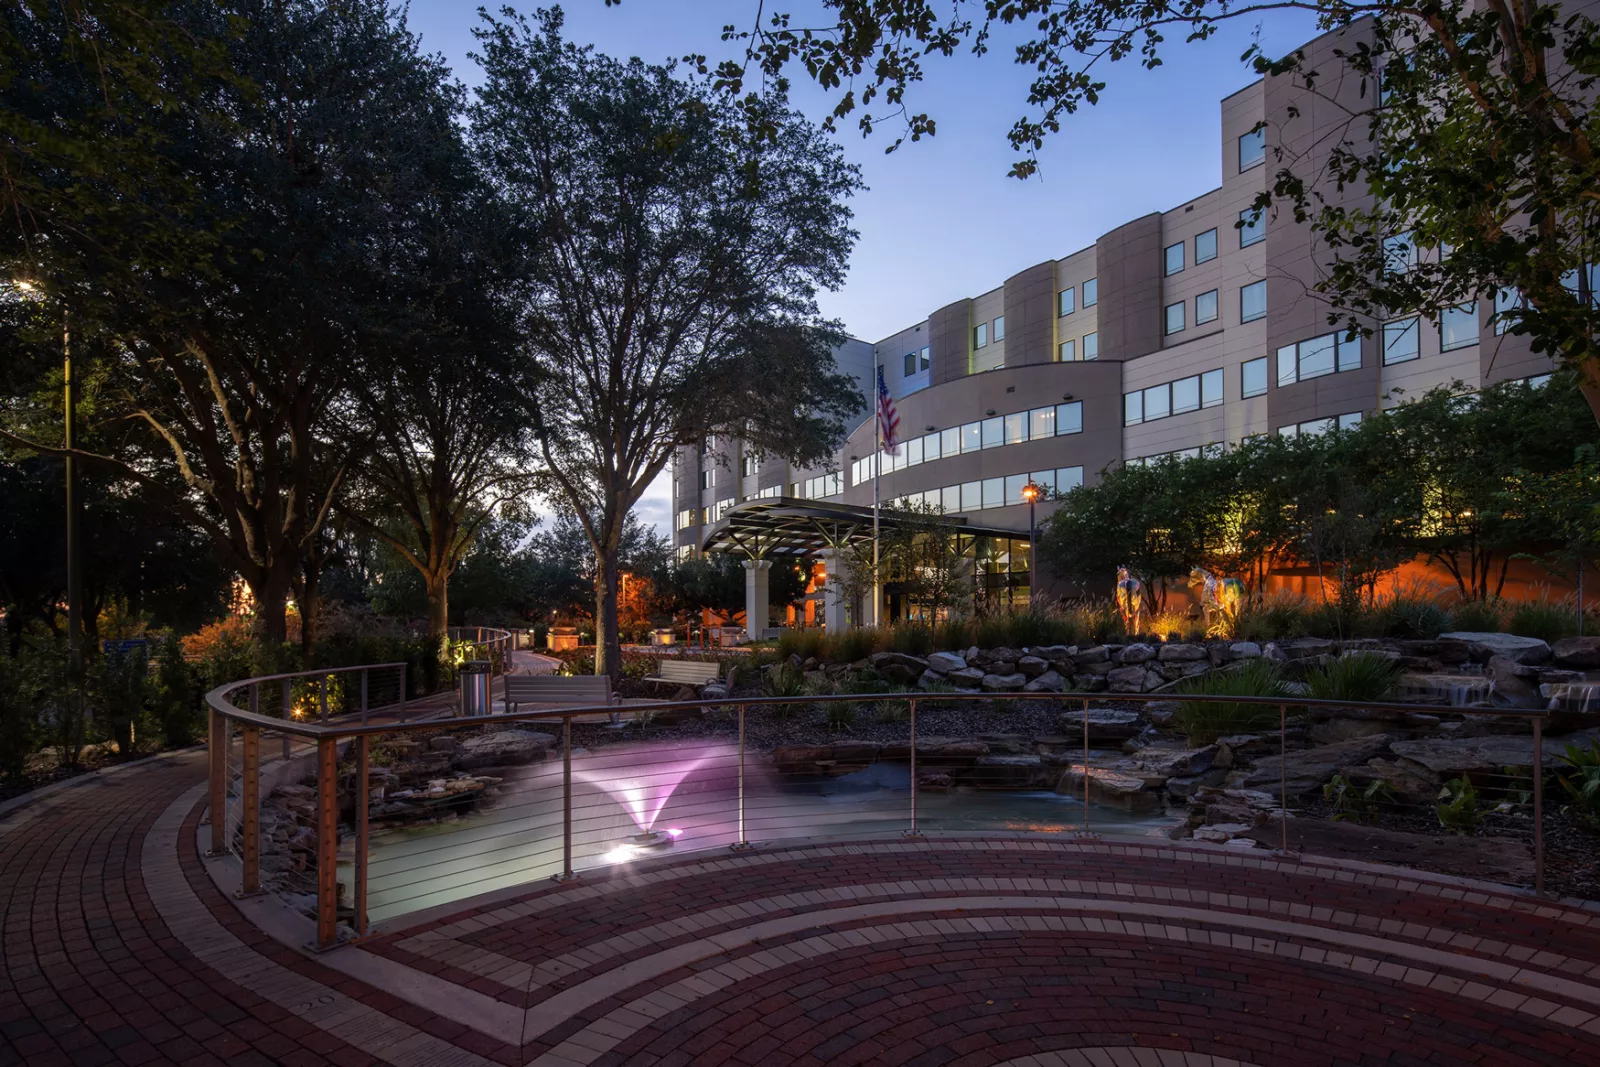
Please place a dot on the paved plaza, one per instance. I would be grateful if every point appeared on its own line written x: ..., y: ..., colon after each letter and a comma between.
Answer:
x: 120, y: 947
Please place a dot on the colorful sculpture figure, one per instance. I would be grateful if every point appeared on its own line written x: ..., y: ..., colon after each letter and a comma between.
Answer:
x: 1220, y: 600
x: 1130, y: 600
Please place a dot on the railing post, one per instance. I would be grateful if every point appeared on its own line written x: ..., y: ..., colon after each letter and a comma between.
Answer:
x: 1283, y: 779
x: 288, y: 711
x: 912, y: 717
x: 1086, y: 829
x: 218, y: 753
x: 327, y: 842
x: 363, y: 799
x: 566, y: 874
x: 363, y: 696
x: 743, y: 842
x: 250, y: 803
x: 1538, y: 805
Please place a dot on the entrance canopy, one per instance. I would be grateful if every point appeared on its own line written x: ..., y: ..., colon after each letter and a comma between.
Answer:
x: 786, y: 526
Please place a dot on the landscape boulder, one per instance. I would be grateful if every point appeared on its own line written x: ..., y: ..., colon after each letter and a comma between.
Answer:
x: 1109, y: 788
x: 1308, y: 770
x: 1139, y: 652
x: 945, y: 662
x: 1048, y: 682
x: 504, y: 748
x: 1032, y: 666
x: 1513, y: 681
x: 1107, y: 726
x: 966, y: 678
x: 1485, y: 646
x: 1577, y: 653
x: 1452, y: 757
x: 1004, y: 683
x: 1126, y: 679
x: 1181, y: 653
x: 1093, y: 654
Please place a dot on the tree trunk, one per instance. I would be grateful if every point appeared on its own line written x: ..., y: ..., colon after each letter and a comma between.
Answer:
x: 437, y: 583
x: 271, y: 592
x: 309, y: 610
x: 608, y: 644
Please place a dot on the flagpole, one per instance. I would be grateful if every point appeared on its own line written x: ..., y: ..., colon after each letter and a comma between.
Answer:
x: 877, y: 465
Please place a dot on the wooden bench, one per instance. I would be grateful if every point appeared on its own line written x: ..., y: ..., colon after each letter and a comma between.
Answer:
x: 573, y: 691
x: 686, y: 672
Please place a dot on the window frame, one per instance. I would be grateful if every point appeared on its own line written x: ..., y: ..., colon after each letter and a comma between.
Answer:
x: 997, y: 332
x: 1215, y: 296
x: 1253, y: 233
x: 1091, y: 292
x: 1166, y: 318
x: 1411, y: 325
x: 910, y: 365
x: 1067, y: 351
x: 1085, y: 345
x: 1257, y: 134
x: 1469, y: 309
x: 1167, y: 268
x: 980, y: 336
x: 1198, y: 257
x: 1265, y: 363
x: 1247, y: 288
x: 1066, y: 301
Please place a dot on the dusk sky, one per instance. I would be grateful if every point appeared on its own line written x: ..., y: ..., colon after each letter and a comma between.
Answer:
x: 940, y: 220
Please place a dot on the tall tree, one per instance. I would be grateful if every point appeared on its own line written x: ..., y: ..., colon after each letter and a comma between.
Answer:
x: 669, y: 275
x: 239, y: 371
x: 1483, y: 137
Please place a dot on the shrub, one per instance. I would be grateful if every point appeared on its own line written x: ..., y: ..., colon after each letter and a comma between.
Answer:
x: 1177, y: 626
x: 848, y: 646
x: 954, y: 635
x: 912, y: 638
x: 1416, y: 617
x: 806, y: 643
x: 1350, y: 801
x: 1458, y: 810
x: 176, y: 701
x: 1098, y: 621
x: 19, y: 724
x: 1357, y: 678
x: 1544, y: 618
x: 1580, y: 780
x: 783, y: 680
x: 1477, y: 616
x: 840, y: 714
x: 1205, y: 721
x: 1277, y: 615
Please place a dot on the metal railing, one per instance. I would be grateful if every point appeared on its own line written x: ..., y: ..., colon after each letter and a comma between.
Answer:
x: 495, y: 643
x: 568, y: 818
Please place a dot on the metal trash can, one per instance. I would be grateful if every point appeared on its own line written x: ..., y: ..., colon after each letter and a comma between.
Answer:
x: 474, y: 677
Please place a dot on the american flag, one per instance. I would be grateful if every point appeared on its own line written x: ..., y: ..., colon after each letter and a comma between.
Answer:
x: 888, y: 418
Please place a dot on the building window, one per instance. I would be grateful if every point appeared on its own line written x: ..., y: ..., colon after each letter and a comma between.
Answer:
x: 1458, y: 327
x: 1069, y: 417
x: 1507, y: 302
x: 1186, y: 395
x: 1068, y: 352
x: 685, y: 519
x: 1253, y: 301
x: 1014, y: 484
x: 1091, y: 292
x: 1205, y: 247
x: 1173, y: 262
x: 1041, y: 423
x: 1400, y: 253
x: 1000, y: 328
x: 1253, y: 377
x: 1211, y: 388
x: 1132, y: 408
x: 994, y: 434
x: 1350, y: 421
x: 1175, y: 317
x: 1400, y: 341
x: 1252, y: 227
x: 1253, y: 148
x: 911, y: 364
x: 980, y: 335
x: 971, y: 437
x: 1205, y: 307
x: 1016, y: 427
x: 1091, y: 346
x: 1313, y: 358
x: 705, y: 479
x: 748, y: 465
x: 994, y: 493
x: 1066, y: 302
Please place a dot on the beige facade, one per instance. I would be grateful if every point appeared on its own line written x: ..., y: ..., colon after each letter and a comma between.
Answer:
x: 1182, y: 331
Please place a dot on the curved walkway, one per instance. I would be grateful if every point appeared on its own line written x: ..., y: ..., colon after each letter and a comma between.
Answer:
x: 118, y: 948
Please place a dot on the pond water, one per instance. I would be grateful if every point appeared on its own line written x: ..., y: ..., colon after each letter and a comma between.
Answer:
x: 687, y: 796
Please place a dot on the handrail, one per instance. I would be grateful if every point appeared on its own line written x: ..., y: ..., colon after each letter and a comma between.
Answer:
x: 328, y: 737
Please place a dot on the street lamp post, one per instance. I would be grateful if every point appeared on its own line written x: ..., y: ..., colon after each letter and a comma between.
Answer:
x: 1031, y: 493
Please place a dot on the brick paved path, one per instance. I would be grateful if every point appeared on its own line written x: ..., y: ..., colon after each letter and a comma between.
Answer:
x: 118, y: 948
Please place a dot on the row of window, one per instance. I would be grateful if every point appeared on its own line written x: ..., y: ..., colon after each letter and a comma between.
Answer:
x: 823, y: 485
x: 994, y: 432
x: 994, y: 492
x: 1329, y: 353
x: 1321, y: 426
x: 1172, y: 398
x: 1458, y: 328
x: 1181, y: 453
x: 1066, y: 300
x: 1084, y: 348
x: 917, y: 361
x: 980, y: 332
x: 1205, y: 250
x: 706, y: 515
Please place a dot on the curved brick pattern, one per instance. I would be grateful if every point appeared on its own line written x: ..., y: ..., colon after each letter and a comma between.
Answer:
x: 1026, y: 952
